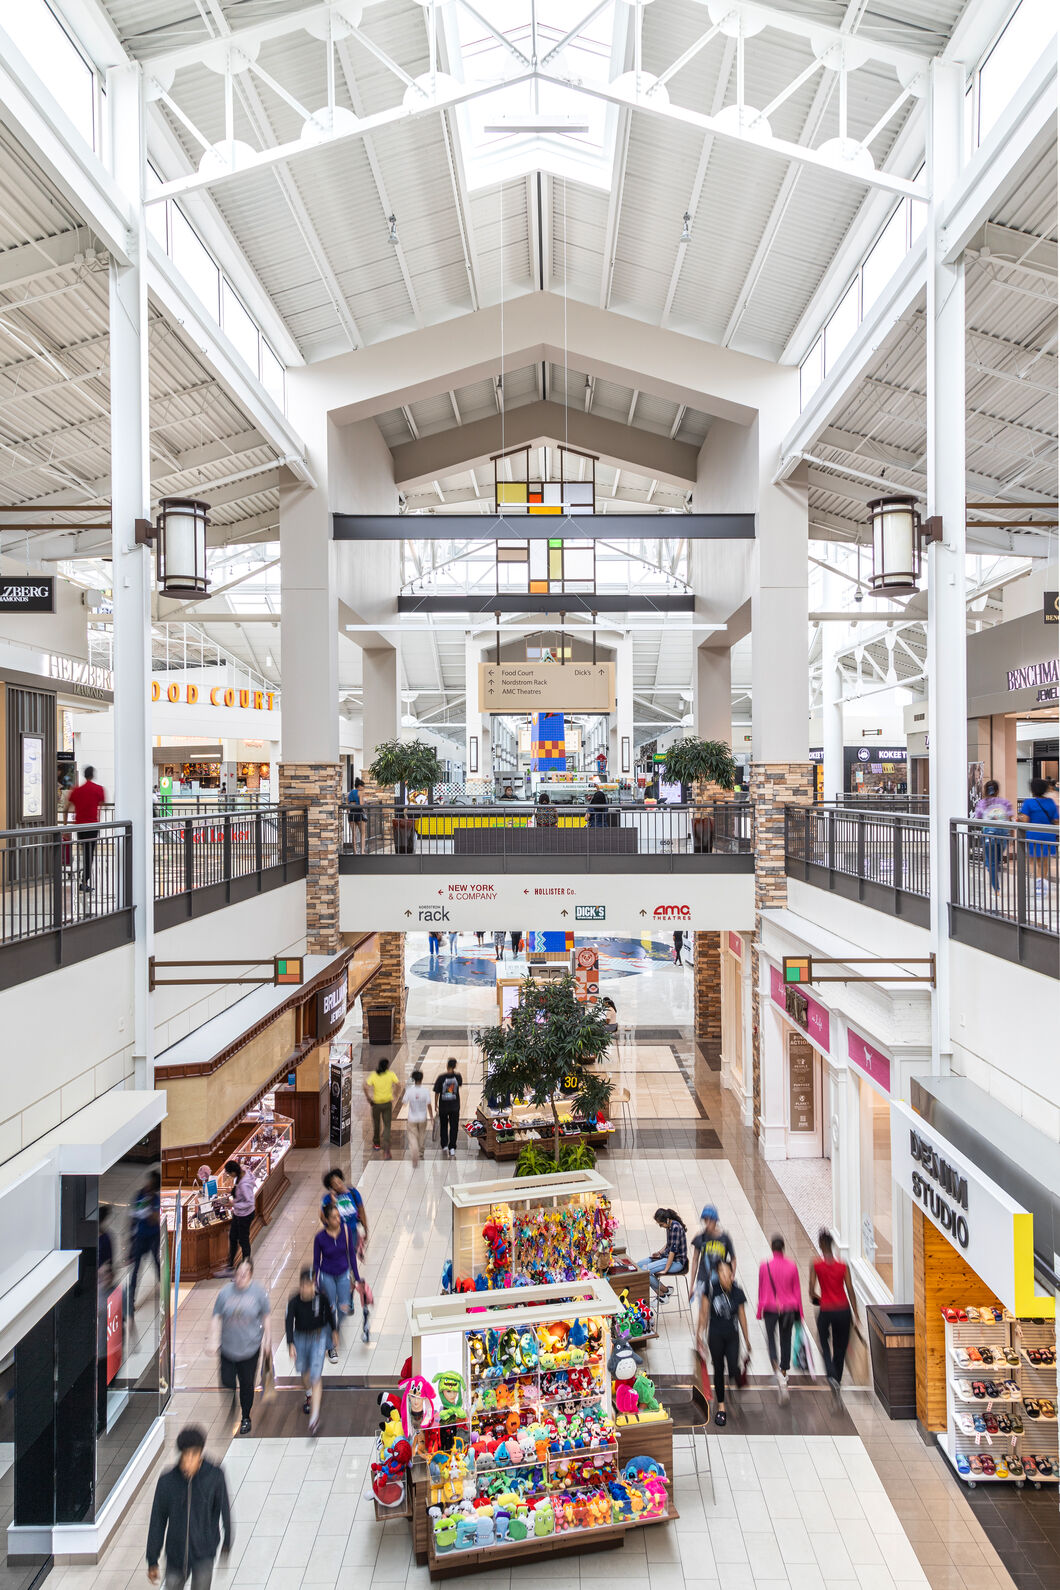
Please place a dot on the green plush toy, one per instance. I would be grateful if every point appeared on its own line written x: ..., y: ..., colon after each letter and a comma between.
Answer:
x: 517, y: 1529
x: 645, y: 1390
x: 451, y: 1396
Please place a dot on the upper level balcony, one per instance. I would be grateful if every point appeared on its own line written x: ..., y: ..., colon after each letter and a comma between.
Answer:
x: 517, y: 836
x: 1005, y: 880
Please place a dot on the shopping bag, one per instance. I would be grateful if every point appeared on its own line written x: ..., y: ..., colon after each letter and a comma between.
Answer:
x: 701, y: 1377
x: 802, y: 1356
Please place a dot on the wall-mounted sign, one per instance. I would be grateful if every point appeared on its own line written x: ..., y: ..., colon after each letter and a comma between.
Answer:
x: 867, y: 1058
x: 542, y: 687
x: 991, y: 1231
x: 331, y: 1007
x: 1051, y: 607
x: 800, y: 1008
x: 80, y: 678
x: 590, y: 913
x: 32, y: 775
x: 736, y: 946
x: 801, y: 1115
x: 218, y: 696
x: 1050, y: 693
x: 36, y: 595
x: 115, y: 1331
x: 1039, y: 673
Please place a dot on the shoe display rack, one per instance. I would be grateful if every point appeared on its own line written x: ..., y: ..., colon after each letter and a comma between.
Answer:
x: 996, y: 1430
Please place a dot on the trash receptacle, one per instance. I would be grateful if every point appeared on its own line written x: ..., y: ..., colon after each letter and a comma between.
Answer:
x: 380, y: 1023
x: 892, y: 1348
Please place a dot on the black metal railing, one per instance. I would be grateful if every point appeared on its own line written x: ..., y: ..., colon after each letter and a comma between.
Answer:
x: 1005, y: 890
x: 918, y: 805
x: 56, y: 878
x: 193, y: 852
x: 517, y: 828
x: 879, y: 858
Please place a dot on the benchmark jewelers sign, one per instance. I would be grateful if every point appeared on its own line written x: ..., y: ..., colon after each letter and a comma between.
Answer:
x: 546, y: 687
x: 993, y: 1233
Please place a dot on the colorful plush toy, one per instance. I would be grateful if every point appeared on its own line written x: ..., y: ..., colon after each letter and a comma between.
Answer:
x: 451, y: 1396
x: 466, y: 1533
x: 645, y: 1391
x: 445, y: 1532
x: 529, y: 1351
x: 418, y: 1406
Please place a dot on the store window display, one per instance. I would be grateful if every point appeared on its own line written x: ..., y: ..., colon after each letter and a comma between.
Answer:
x: 877, y: 1218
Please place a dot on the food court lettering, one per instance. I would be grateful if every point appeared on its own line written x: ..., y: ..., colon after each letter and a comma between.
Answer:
x: 949, y: 1179
x: 218, y: 696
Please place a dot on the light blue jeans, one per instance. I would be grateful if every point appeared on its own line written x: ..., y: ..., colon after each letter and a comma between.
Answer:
x: 655, y: 1268
x: 337, y: 1288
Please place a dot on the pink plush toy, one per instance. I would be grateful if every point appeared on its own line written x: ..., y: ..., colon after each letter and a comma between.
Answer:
x: 626, y: 1399
x: 419, y: 1410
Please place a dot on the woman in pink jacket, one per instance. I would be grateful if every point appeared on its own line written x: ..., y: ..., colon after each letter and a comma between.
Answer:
x: 779, y: 1305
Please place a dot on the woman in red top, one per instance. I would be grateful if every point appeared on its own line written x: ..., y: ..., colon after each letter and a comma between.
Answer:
x: 831, y: 1291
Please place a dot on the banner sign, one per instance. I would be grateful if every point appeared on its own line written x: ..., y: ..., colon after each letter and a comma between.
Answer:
x: 867, y: 1058
x: 115, y: 1330
x: 546, y: 687
x: 36, y: 595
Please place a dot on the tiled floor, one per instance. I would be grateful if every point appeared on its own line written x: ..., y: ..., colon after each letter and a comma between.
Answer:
x: 798, y: 1497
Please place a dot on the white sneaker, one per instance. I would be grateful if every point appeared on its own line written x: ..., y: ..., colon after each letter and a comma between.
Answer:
x: 782, y: 1385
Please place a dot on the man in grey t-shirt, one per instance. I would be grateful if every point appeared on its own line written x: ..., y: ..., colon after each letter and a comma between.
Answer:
x: 241, y: 1329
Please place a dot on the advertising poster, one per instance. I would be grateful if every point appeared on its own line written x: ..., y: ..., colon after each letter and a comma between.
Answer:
x: 341, y: 1101
x: 587, y: 974
x: 32, y: 775
x: 115, y: 1330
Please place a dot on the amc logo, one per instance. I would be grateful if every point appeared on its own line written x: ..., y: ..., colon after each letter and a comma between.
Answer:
x: 671, y: 913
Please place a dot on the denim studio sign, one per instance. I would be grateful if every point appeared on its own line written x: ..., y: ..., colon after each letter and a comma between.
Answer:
x: 990, y: 1230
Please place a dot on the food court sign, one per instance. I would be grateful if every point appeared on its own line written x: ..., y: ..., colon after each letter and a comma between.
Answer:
x: 218, y: 696
x: 990, y: 1230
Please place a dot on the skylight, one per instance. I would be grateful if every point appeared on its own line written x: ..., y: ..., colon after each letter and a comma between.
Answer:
x: 554, y: 128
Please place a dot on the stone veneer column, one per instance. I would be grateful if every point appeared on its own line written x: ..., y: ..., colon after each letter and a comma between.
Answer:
x: 774, y: 785
x: 387, y: 987
x: 706, y: 987
x: 317, y: 786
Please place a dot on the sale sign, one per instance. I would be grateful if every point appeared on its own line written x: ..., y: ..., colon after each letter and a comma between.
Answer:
x: 115, y: 1331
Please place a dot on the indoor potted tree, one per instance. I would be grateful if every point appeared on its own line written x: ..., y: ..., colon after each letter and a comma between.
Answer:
x: 405, y: 764
x: 691, y: 761
x: 546, y: 1051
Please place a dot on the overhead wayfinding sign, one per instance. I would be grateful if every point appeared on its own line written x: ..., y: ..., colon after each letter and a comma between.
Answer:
x: 540, y: 687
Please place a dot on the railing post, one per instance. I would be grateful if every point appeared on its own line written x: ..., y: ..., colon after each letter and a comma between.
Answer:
x: 226, y: 854
x: 830, y: 817
x: 897, y: 860
x: 189, y: 855
x: 1021, y: 880
x: 958, y: 891
x: 281, y: 835
x: 127, y: 870
x: 57, y: 884
x: 257, y: 846
x: 860, y: 853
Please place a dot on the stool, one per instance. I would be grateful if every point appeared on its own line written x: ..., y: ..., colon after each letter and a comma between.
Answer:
x: 671, y: 1280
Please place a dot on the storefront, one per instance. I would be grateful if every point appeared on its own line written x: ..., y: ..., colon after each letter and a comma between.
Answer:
x: 867, y: 770
x: 871, y: 1071
x: 736, y: 1019
x: 804, y: 1030
x: 983, y: 1291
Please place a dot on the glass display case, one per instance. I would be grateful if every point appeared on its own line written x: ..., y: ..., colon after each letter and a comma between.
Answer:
x: 261, y: 1140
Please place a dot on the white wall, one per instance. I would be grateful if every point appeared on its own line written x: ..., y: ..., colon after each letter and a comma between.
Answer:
x: 1004, y: 1031
x: 269, y: 924
x: 69, y: 1039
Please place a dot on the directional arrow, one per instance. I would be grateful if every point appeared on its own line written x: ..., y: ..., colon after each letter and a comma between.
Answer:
x: 408, y: 913
x: 644, y: 913
x: 564, y: 913
x: 526, y: 891
x: 439, y: 891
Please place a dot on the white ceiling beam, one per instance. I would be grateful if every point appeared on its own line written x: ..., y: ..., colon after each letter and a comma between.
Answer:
x: 995, y: 245
x: 614, y: 206
x: 28, y: 261
x: 1024, y: 133
x: 721, y: 89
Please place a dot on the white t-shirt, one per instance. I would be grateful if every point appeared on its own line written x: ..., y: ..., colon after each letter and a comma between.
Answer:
x: 417, y: 1099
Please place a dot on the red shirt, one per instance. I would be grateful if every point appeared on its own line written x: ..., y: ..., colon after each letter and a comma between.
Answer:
x: 86, y: 801
x: 831, y: 1279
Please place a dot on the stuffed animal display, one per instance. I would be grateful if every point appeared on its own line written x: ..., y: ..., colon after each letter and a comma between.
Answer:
x: 535, y: 1246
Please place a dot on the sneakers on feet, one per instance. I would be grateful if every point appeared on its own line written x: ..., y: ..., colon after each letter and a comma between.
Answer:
x: 365, y: 1327
x: 244, y: 1427
x: 307, y: 1404
x: 333, y: 1355
x: 782, y: 1386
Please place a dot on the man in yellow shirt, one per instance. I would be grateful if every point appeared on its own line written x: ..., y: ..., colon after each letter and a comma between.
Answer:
x: 384, y: 1091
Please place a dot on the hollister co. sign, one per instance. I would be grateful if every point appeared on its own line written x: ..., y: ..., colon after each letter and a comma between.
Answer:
x: 36, y: 595
x: 331, y: 1007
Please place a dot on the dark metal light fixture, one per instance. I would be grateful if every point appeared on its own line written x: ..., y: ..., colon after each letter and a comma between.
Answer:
x: 896, y: 542
x: 180, y: 546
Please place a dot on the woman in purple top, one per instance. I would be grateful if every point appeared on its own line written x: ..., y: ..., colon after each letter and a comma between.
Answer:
x: 994, y: 809
x: 243, y: 1194
x: 335, y: 1263
x: 779, y: 1305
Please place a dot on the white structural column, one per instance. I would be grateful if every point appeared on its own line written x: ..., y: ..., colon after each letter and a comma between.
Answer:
x: 130, y: 496
x: 712, y: 684
x: 308, y: 624
x: 947, y: 629
x: 780, y: 715
x: 476, y: 724
x: 622, y: 722
x: 381, y: 696
x: 831, y: 692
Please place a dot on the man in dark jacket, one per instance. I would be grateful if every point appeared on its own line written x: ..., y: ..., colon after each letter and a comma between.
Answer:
x: 190, y: 1505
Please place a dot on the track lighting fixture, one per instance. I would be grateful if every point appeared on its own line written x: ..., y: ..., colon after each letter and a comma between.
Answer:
x: 686, y: 229
x: 391, y: 235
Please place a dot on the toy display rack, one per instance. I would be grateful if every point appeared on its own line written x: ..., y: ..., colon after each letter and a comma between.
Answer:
x: 473, y: 1204
x: 1039, y: 1436
x: 440, y: 1329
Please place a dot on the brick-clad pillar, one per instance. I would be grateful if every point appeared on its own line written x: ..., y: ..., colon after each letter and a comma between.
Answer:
x: 317, y: 786
x: 706, y: 987
x: 381, y: 816
x: 388, y: 985
x: 774, y: 785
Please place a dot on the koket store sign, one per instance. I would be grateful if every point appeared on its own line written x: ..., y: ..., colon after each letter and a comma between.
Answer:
x: 993, y: 1233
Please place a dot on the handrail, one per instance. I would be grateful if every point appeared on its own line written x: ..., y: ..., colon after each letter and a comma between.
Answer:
x: 1007, y: 871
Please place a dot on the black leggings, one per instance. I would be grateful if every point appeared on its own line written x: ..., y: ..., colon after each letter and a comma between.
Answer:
x: 245, y: 1371
x: 239, y: 1237
x: 724, y: 1348
x: 785, y: 1322
x: 834, y: 1323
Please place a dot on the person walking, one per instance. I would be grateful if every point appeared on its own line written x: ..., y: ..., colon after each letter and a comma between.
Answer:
x: 242, y: 1331
x: 420, y: 1112
x: 355, y: 811
x: 516, y: 938
x: 1041, y: 811
x: 711, y: 1245
x: 779, y: 1305
x: 481, y: 938
x: 993, y: 809
x: 350, y: 1205
x: 86, y: 801
x: 723, y: 1316
x: 447, y: 1092
x: 454, y: 940
x: 243, y: 1193
x: 383, y: 1090
x: 311, y: 1315
x: 832, y: 1291
x: 672, y: 1257
x: 499, y: 937
x: 145, y: 1231
x: 434, y: 945
x: 335, y: 1265
x: 679, y: 940
x: 189, y: 1511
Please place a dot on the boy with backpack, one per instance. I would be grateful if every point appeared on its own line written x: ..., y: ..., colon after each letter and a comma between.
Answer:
x: 447, y: 1092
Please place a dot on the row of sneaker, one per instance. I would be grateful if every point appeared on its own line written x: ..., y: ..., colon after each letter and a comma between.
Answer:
x: 983, y: 1466
x: 966, y: 1356
x: 1040, y: 1357
x: 989, y: 1311
x: 989, y: 1424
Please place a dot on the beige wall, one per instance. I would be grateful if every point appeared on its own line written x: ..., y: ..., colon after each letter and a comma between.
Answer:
x: 199, y: 1107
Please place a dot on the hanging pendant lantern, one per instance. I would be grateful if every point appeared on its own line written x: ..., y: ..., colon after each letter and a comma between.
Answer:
x: 181, y: 547
x: 895, y: 546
